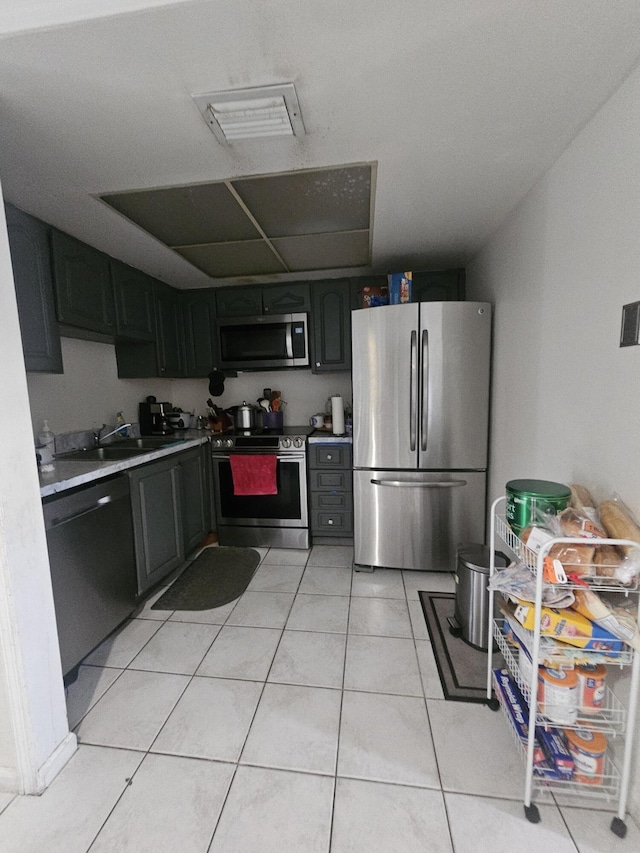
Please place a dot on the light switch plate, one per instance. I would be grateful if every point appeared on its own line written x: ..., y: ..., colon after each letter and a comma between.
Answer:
x: 630, y: 331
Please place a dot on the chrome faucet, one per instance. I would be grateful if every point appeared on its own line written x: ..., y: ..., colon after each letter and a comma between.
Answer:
x: 98, y: 439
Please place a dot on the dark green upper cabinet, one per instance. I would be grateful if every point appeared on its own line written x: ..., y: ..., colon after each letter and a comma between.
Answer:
x: 239, y: 301
x: 331, y: 315
x: 199, y: 313
x: 170, y: 331
x: 30, y: 258
x: 134, y: 302
x: 286, y: 298
x: 84, y: 293
x: 271, y: 299
x: 439, y: 286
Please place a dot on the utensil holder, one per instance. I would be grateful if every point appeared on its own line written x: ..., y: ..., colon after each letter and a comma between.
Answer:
x: 272, y: 420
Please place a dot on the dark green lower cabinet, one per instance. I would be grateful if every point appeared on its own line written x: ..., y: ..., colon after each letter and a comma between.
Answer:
x: 157, y: 520
x: 331, y: 492
x: 170, y: 500
x: 195, y: 483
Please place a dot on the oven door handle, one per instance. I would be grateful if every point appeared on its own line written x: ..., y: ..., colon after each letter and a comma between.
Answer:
x: 290, y: 457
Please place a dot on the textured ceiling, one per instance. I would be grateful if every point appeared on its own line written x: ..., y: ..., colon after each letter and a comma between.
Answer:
x: 462, y: 104
x: 294, y: 222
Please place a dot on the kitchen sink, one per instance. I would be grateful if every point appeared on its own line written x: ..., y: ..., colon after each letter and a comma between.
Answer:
x: 122, y: 449
x: 148, y: 442
x: 102, y: 454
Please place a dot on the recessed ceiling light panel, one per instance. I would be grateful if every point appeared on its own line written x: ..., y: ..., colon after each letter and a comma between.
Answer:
x: 252, y: 113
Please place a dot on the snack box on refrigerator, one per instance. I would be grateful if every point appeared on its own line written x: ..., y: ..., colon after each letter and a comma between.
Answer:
x: 400, y: 287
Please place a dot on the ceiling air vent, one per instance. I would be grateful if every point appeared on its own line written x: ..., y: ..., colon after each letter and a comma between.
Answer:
x: 252, y: 113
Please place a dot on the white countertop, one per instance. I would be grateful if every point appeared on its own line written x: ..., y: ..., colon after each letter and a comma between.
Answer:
x: 69, y: 474
x: 320, y: 437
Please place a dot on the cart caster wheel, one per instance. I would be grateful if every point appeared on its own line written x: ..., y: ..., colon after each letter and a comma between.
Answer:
x: 493, y: 704
x: 532, y: 814
x: 618, y: 827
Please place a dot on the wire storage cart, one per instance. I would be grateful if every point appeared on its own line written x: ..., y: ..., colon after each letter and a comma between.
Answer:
x: 533, y: 721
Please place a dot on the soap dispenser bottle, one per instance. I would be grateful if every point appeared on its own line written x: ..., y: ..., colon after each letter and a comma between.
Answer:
x: 46, y: 438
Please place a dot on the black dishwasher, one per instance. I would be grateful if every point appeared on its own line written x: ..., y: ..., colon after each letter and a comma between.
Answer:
x: 91, y: 554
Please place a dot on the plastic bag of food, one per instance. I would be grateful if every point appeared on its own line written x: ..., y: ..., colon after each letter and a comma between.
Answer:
x: 517, y: 581
x: 576, y: 559
x: 617, y: 621
x: 576, y: 522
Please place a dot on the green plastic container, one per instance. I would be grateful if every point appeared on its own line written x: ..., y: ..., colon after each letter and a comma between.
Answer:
x: 529, y: 500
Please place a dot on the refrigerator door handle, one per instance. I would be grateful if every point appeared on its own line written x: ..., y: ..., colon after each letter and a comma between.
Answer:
x: 424, y: 426
x: 401, y: 484
x: 413, y: 391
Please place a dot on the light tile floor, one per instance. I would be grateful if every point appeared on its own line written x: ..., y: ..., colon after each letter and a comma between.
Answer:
x: 306, y: 717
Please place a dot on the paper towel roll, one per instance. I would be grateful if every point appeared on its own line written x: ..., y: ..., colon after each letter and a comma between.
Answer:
x: 337, y: 415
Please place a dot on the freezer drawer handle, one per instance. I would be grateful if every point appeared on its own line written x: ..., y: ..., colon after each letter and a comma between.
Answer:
x: 449, y: 484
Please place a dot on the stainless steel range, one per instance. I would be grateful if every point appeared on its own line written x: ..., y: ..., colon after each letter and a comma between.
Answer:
x: 273, y: 520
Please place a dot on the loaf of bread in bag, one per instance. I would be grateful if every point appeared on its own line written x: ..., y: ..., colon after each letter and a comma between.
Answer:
x: 619, y: 524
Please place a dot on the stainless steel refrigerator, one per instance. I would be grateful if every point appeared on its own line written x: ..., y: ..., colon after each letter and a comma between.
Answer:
x: 420, y: 422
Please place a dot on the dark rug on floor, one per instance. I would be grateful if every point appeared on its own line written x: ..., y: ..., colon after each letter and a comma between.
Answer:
x: 462, y: 668
x: 216, y: 577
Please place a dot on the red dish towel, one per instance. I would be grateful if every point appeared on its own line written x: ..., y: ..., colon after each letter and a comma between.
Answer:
x: 254, y: 475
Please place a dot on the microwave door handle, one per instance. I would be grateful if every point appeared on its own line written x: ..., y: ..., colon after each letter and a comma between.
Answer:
x: 424, y: 426
x: 289, y: 341
x: 413, y: 390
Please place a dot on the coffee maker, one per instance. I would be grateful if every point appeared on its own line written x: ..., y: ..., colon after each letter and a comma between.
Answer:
x: 153, y: 417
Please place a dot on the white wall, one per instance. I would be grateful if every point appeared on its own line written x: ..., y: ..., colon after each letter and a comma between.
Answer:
x: 566, y: 397
x: 89, y: 392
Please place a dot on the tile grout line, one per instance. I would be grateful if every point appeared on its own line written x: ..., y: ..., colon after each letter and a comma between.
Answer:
x: 564, y: 822
x: 342, y: 691
x: 433, y: 743
x: 147, y: 752
x: 244, y: 743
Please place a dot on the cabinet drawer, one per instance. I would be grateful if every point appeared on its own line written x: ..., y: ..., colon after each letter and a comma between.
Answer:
x: 330, y: 456
x: 332, y: 501
x: 332, y: 523
x: 335, y: 481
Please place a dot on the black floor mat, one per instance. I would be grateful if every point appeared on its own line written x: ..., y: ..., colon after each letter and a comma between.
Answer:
x: 462, y: 668
x: 216, y: 577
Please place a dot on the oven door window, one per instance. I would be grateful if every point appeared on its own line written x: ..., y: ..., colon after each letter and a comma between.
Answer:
x: 253, y: 342
x: 285, y: 505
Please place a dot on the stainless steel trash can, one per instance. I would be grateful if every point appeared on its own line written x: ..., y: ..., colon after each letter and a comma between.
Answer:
x: 472, y: 594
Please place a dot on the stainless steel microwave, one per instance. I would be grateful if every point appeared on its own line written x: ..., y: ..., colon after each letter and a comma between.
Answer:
x: 257, y: 343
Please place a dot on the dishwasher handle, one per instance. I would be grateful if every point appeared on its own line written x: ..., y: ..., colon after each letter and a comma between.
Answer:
x: 56, y: 522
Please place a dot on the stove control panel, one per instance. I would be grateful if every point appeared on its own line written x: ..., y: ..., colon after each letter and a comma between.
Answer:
x: 259, y: 443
